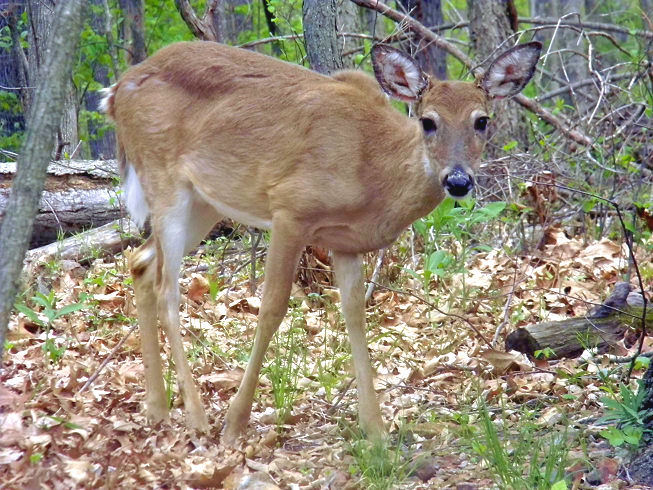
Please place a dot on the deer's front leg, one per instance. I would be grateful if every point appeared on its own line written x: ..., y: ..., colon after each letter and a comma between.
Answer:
x: 283, y: 255
x: 349, y: 277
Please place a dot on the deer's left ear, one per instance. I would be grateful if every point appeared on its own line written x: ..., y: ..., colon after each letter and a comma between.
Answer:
x: 398, y: 73
x: 509, y: 73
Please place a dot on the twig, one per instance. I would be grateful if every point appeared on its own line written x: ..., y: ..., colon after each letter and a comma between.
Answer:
x: 252, y: 277
x: 375, y: 275
x: 506, y: 310
x: 581, y: 83
x: 625, y: 359
x: 331, y: 410
x: 431, y: 305
x: 552, y: 21
x: 94, y: 376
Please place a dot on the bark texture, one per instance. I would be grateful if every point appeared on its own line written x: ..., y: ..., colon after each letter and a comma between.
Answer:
x: 133, y: 29
x: 322, y: 47
x: 349, y: 20
x: 78, y: 195
x: 490, y: 24
x: 209, y: 27
x: 43, y: 120
x: 429, y: 13
x: 110, y: 239
x: 41, y: 16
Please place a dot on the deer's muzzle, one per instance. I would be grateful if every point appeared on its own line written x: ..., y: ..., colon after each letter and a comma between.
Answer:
x: 458, y: 183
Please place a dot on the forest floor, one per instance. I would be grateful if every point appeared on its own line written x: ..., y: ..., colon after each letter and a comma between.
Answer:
x: 436, y: 379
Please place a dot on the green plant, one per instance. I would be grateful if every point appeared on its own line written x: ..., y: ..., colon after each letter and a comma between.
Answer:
x: 519, y: 456
x: 284, y: 369
x: 454, y: 219
x: 546, y: 353
x: 35, y: 457
x: 380, y: 465
x: 624, y: 410
x: 46, y: 317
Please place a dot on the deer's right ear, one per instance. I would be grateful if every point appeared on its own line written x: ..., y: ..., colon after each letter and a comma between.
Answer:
x: 398, y: 74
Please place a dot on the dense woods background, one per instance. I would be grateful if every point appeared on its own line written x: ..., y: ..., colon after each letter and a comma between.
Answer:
x: 562, y: 215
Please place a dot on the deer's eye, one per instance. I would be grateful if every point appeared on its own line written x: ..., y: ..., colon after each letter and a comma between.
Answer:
x: 428, y: 125
x: 481, y: 123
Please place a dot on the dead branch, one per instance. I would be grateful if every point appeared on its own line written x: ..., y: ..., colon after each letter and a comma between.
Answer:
x: 553, y: 22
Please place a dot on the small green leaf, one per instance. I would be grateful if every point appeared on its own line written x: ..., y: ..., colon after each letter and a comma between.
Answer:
x: 31, y: 314
x: 70, y: 309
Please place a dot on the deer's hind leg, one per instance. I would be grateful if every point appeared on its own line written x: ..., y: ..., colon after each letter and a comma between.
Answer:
x: 176, y: 229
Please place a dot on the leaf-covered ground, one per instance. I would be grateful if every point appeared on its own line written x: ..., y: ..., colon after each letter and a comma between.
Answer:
x: 66, y: 426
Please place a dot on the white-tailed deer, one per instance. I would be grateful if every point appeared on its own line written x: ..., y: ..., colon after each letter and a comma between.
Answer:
x: 206, y: 130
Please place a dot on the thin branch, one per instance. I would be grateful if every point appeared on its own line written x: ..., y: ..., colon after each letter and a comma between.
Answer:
x: 431, y: 305
x: 98, y: 371
x: 553, y: 22
x: 375, y: 275
x: 581, y: 83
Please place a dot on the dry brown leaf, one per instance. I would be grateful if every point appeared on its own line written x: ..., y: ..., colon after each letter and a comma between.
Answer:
x: 223, y: 380
x: 503, y: 362
x: 197, y: 288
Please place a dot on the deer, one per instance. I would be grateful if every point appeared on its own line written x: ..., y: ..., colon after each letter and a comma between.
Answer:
x: 206, y: 131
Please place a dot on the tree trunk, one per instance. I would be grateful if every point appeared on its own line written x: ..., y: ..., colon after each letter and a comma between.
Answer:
x: 19, y: 67
x: 13, y: 75
x: 349, y: 20
x: 41, y: 17
x: 429, y: 13
x: 322, y: 46
x: 490, y: 25
x: 209, y: 27
x: 133, y: 29
x: 231, y: 22
x: 43, y: 120
x: 100, y: 147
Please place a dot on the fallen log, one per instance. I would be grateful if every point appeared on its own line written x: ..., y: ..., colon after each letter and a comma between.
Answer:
x: 602, y: 328
x: 109, y: 239
x: 78, y: 194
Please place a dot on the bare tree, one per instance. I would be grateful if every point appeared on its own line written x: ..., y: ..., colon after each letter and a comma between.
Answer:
x: 48, y: 104
x: 100, y: 146
x: 567, y: 64
x: 349, y: 20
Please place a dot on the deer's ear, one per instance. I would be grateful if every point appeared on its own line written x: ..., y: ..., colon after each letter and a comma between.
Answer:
x: 509, y: 73
x: 398, y: 73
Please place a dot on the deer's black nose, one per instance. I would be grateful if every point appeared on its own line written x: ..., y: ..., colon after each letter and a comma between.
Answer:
x: 458, y: 183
